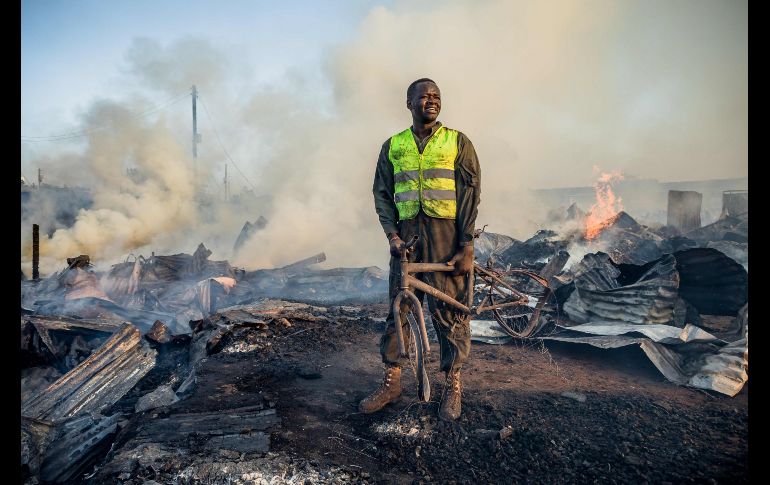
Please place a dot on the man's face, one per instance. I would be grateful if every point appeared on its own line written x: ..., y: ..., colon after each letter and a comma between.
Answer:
x: 425, y: 103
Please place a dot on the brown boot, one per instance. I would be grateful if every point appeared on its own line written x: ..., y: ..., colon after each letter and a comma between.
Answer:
x: 388, y: 392
x: 450, y: 404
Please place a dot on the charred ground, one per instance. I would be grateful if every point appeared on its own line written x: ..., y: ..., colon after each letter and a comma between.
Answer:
x: 516, y: 426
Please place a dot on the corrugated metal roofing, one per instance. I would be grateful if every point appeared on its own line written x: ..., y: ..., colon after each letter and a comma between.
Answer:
x: 649, y: 300
x: 711, y: 281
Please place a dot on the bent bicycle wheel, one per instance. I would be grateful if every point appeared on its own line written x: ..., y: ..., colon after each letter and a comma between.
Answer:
x: 529, y: 302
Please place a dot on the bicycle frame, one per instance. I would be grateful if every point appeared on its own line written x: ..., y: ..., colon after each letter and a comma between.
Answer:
x: 407, y: 280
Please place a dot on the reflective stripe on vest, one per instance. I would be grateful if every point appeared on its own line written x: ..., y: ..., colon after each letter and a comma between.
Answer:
x: 426, y: 179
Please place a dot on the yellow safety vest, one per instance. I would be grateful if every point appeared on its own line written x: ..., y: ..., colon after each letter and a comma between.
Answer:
x: 426, y: 178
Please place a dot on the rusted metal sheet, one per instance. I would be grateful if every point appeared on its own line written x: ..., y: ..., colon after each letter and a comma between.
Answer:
x: 159, y: 333
x: 99, y: 381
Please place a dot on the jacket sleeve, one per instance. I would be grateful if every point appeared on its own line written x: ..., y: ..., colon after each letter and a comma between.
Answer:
x: 468, y: 189
x: 383, y: 189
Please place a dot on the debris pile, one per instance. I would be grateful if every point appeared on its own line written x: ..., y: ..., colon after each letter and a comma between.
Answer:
x: 70, y: 421
x: 654, y: 287
x: 178, y: 288
x: 98, y: 391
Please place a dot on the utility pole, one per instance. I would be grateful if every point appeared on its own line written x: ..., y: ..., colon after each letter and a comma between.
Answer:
x: 226, y: 182
x: 196, y: 136
x: 35, y: 252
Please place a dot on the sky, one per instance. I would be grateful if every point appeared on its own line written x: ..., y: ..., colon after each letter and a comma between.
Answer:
x: 297, y: 98
x: 75, y: 51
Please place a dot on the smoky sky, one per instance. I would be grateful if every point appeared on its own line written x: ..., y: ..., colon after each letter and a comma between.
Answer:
x: 544, y: 90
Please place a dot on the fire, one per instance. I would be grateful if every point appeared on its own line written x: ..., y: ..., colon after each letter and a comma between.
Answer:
x: 607, y: 203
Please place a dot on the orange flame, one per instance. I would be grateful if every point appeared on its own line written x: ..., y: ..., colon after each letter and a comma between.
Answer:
x: 607, y: 203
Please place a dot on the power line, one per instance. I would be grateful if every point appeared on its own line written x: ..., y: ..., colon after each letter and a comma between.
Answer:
x: 78, y: 134
x: 208, y: 115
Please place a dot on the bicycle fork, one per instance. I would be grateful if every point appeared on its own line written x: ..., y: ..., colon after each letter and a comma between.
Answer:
x: 416, y: 306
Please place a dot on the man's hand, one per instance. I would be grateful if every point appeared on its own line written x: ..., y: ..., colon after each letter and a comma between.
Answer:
x: 395, y: 245
x: 462, y: 261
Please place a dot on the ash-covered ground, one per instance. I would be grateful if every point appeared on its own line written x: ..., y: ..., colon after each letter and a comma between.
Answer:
x: 534, y: 413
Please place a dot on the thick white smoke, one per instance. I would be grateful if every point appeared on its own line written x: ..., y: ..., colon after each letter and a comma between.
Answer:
x: 545, y: 90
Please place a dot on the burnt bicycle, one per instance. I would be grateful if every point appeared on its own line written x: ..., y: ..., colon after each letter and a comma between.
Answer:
x: 518, y: 299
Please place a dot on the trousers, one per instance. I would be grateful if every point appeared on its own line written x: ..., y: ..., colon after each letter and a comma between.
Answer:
x: 437, y: 244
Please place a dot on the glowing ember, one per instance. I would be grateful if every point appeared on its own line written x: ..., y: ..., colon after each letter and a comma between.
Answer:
x: 607, y: 203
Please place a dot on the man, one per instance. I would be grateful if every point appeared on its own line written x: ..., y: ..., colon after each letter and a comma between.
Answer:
x: 427, y: 184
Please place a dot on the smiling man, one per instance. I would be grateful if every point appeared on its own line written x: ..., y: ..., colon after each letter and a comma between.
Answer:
x: 427, y: 183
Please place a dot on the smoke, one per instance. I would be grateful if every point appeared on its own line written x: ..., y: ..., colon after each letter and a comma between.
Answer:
x: 127, y: 213
x: 144, y: 190
x: 545, y: 91
x: 174, y: 68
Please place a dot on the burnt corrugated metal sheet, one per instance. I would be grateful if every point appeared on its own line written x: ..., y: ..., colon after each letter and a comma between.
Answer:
x: 99, y: 309
x: 98, y: 382
x: 174, y: 267
x: 596, y: 271
x: 717, y: 230
x: 332, y: 286
x: 712, y: 282
x: 491, y: 244
x: 543, y: 245
x: 239, y: 421
x: 626, y: 246
x: 649, y: 300
x: 80, y: 442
